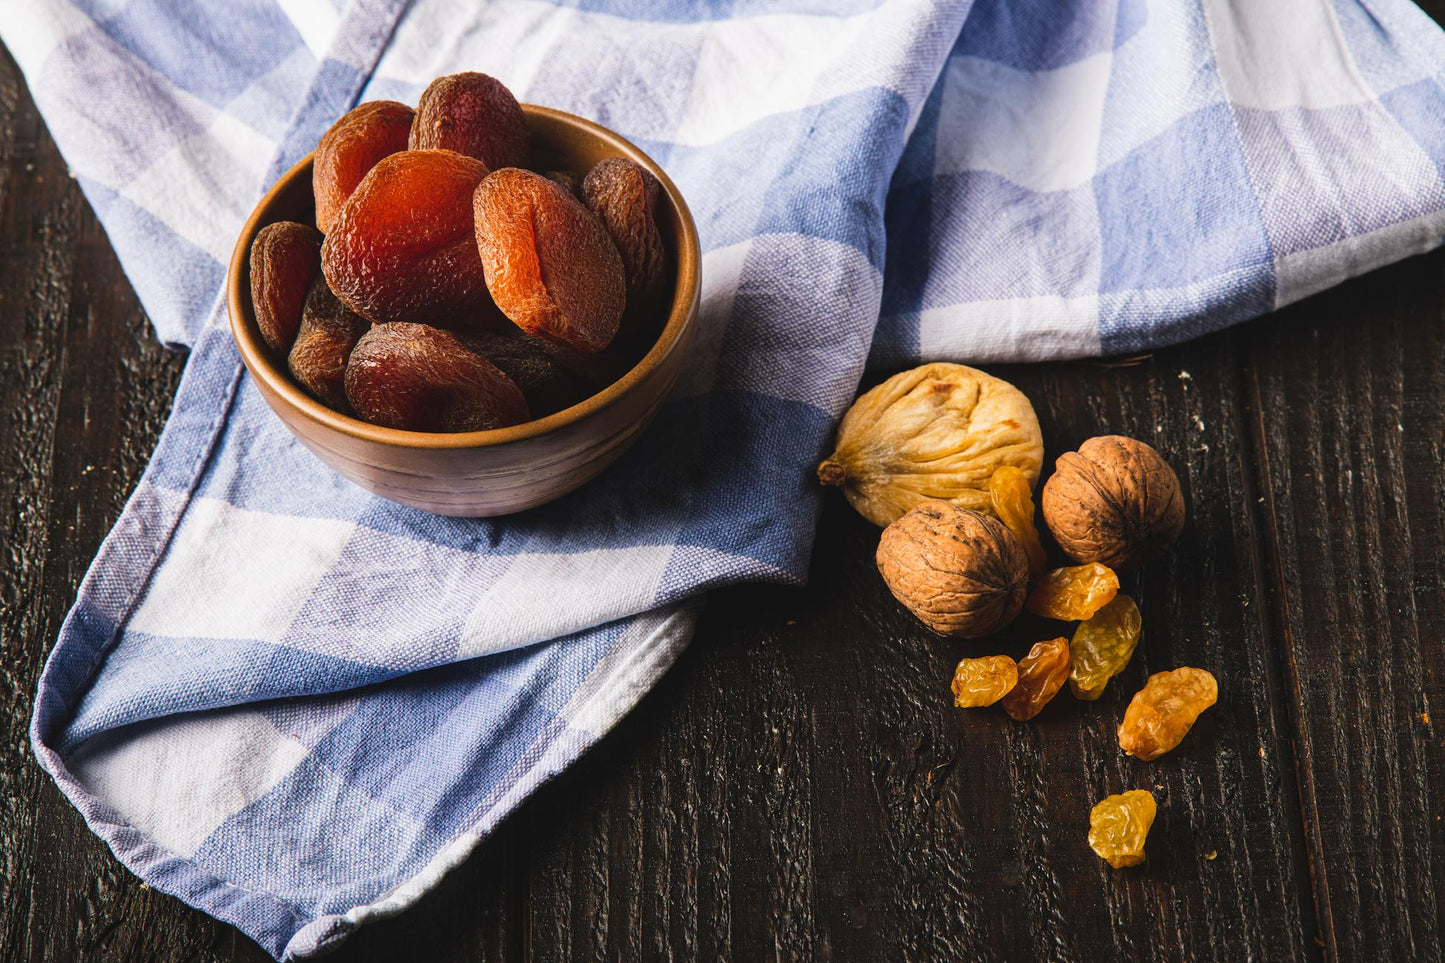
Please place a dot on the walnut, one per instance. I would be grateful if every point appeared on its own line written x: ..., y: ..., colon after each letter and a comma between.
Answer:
x: 961, y: 572
x: 937, y: 431
x: 1113, y: 501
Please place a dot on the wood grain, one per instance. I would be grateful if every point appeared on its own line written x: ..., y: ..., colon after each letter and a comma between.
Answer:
x: 799, y: 786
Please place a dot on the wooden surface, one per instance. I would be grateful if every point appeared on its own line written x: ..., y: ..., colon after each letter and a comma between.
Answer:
x: 798, y: 786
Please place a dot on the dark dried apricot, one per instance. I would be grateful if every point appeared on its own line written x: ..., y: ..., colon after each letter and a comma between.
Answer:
x: 624, y: 195
x: 351, y: 148
x: 549, y: 263
x: 547, y: 385
x: 472, y: 114
x: 328, y: 333
x: 402, y: 248
x: 421, y: 378
x: 566, y: 178
x: 285, y: 257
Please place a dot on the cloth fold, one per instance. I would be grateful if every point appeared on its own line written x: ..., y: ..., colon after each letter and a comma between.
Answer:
x: 295, y: 705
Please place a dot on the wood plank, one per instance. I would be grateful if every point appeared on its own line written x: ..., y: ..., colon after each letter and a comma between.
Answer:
x: 1350, y: 400
x: 803, y: 762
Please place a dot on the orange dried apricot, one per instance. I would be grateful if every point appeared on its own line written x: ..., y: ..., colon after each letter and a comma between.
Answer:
x: 1073, y: 593
x: 549, y: 263
x: 402, y: 248
x: 351, y: 148
x: 472, y: 114
x: 285, y: 257
x: 421, y: 378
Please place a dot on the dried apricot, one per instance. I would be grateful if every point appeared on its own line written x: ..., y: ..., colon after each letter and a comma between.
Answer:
x: 402, y: 248
x: 1011, y: 493
x: 351, y: 148
x: 624, y: 195
x: 566, y: 178
x: 328, y: 333
x: 1103, y: 645
x: 549, y: 263
x: 1041, y: 675
x: 982, y: 682
x: 285, y: 257
x: 1073, y: 593
x: 1161, y: 714
x: 547, y: 385
x: 472, y: 114
x: 1119, y: 825
x: 421, y: 378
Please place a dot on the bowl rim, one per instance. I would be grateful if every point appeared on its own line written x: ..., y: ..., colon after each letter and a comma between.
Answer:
x: 685, y: 302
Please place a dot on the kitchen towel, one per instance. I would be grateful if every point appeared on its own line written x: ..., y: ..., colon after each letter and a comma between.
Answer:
x: 295, y: 705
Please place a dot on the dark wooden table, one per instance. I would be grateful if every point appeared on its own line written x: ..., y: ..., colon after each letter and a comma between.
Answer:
x: 798, y: 786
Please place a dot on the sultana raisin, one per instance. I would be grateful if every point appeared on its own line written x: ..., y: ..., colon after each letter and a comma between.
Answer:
x: 351, y: 148
x: 1161, y: 713
x: 1041, y: 675
x: 549, y: 263
x: 624, y: 195
x: 472, y: 114
x: 1073, y: 593
x: 421, y: 378
x: 1103, y: 645
x: 285, y: 258
x: 982, y: 682
x: 328, y: 333
x: 1119, y: 825
x: 1012, y: 497
x: 402, y: 248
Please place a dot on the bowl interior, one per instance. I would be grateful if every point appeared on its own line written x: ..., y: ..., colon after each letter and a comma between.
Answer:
x: 560, y: 141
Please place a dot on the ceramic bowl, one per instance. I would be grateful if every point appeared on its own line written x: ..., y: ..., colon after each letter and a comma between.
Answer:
x: 483, y: 473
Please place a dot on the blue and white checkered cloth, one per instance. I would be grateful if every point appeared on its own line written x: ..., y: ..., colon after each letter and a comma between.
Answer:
x: 295, y: 705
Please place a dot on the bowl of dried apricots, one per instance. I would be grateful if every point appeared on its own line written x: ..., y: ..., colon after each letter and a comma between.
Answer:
x: 472, y: 307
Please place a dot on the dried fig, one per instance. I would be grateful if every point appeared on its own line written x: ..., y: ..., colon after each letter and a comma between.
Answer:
x: 1115, y: 501
x: 961, y: 572
x: 937, y: 431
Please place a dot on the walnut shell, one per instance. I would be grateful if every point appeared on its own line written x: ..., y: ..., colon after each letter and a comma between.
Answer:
x: 937, y: 431
x: 960, y: 571
x: 1114, y: 501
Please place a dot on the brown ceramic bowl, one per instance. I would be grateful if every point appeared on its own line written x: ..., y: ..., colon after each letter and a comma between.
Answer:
x: 482, y: 473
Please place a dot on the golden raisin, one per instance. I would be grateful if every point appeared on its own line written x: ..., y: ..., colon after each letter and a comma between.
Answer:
x: 402, y: 247
x: 472, y: 114
x: 549, y: 263
x: 1012, y: 497
x: 1073, y: 593
x: 1041, y: 675
x: 1103, y: 645
x: 1161, y: 713
x: 351, y: 148
x: 285, y: 258
x: 982, y: 682
x: 1119, y: 825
